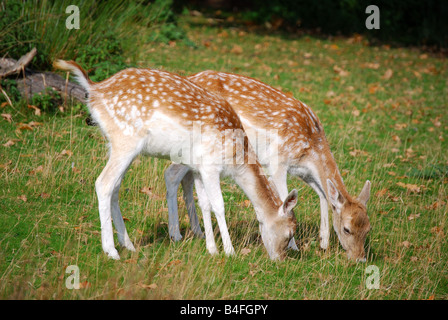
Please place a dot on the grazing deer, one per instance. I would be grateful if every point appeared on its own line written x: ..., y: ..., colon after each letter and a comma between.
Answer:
x: 152, y: 112
x: 303, y: 151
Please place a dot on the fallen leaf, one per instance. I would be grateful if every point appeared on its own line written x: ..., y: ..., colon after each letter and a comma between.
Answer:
x: 236, y: 49
x: 357, y: 38
x: 406, y: 244
x: 131, y: 261
x: 413, y: 216
x: 253, y: 269
x: 223, y: 34
x: 357, y: 152
x: 388, y: 74
x: 148, y: 286
x: 371, y: 65
x: 436, y: 122
x: 307, y: 55
x: 340, y: 71
x: 245, y: 251
x: 436, y: 205
x: 66, y: 152
x: 37, y: 111
x: 373, y: 88
x: 393, y: 198
x: 44, y: 195
x: 436, y: 230
x: 55, y: 253
x: 35, y: 124
x: 38, y: 169
x: 409, y: 153
x: 10, y: 142
x: 7, y: 117
x: 76, y: 170
x: 5, y: 165
x: 411, y: 187
x: 23, y: 198
x: 24, y: 126
x: 400, y: 126
x: 85, y: 285
x: 381, y: 192
x: 174, y: 263
x: 334, y: 47
x: 146, y: 190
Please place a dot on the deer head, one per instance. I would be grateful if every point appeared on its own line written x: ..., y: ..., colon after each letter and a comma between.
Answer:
x: 350, y: 220
x: 279, y: 230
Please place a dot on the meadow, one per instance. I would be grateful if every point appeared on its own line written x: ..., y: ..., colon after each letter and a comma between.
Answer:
x: 384, y: 110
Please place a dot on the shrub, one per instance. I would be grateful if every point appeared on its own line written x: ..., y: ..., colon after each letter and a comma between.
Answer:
x: 105, y: 27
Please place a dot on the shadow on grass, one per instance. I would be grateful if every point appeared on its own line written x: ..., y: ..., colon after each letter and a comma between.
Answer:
x: 245, y: 233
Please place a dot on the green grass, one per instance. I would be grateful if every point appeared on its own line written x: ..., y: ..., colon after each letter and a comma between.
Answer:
x: 386, y: 130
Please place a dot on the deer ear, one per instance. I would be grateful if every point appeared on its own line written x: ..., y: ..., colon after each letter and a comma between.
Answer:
x: 290, y: 202
x: 365, y: 193
x: 334, y: 196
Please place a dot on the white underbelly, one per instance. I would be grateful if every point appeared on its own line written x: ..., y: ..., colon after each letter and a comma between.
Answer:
x: 165, y: 138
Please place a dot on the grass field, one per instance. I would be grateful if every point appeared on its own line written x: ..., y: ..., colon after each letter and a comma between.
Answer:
x: 385, y: 114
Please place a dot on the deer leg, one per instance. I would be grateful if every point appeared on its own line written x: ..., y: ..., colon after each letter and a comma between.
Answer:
x: 123, y: 237
x: 324, y: 232
x: 324, y: 226
x: 187, y: 186
x: 213, y: 191
x: 279, y: 178
x: 173, y: 176
x: 205, y: 206
x: 106, y: 185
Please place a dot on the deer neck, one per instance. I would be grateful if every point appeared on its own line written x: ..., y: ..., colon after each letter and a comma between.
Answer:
x: 260, y: 191
x: 319, y: 166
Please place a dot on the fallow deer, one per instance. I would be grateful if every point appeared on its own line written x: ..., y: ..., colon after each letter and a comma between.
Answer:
x: 153, y: 112
x: 302, y: 150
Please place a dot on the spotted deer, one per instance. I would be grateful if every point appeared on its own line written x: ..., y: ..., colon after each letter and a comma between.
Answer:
x: 152, y: 112
x: 302, y: 150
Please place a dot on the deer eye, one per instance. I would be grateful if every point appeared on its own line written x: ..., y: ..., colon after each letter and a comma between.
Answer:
x: 347, y: 231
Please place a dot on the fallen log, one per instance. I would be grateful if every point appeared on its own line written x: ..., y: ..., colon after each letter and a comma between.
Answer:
x: 11, y: 66
x: 33, y: 82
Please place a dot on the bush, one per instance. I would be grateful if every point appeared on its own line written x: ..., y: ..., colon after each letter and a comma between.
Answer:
x: 412, y: 22
x: 105, y: 27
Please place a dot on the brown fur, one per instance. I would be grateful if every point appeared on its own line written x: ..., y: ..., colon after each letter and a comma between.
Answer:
x: 303, y: 137
x: 125, y: 107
